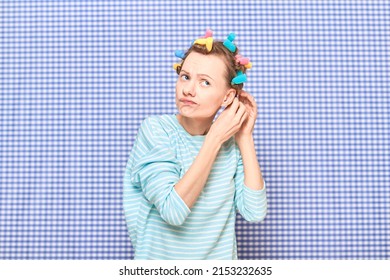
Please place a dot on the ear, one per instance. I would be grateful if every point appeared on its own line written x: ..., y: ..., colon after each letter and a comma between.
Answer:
x: 229, y: 96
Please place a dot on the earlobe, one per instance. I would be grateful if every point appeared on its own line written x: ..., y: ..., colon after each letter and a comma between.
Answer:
x: 227, y: 102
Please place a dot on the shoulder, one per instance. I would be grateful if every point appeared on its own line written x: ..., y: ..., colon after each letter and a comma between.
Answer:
x: 158, y: 123
x: 156, y: 129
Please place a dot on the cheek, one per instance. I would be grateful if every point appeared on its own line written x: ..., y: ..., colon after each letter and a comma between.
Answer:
x: 214, y: 100
x: 177, y: 87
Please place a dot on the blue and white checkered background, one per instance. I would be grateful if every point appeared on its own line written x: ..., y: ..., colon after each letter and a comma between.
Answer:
x: 78, y: 77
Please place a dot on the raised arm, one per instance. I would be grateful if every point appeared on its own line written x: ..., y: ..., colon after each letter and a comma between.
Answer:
x: 226, y: 125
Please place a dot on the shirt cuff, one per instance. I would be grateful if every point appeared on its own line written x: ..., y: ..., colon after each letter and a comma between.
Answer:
x: 182, y: 207
x: 254, y: 192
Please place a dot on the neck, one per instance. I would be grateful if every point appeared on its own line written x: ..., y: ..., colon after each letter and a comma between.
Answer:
x: 195, y: 126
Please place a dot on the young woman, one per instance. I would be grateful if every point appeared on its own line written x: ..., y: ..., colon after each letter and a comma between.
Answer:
x: 187, y: 176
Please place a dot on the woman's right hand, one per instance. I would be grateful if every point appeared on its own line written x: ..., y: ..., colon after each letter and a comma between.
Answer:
x: 229, y: 121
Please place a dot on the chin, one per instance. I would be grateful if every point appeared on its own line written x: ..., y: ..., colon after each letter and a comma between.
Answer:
x: 196, y: 115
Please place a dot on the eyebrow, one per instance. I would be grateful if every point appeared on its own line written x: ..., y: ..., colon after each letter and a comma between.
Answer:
x: 198, y: 74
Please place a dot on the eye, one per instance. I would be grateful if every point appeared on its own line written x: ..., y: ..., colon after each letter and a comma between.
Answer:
x: 205, y: 83
x: 184, y: 77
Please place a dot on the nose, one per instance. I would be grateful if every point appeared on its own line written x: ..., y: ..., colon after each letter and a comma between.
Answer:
x: 189, y: 89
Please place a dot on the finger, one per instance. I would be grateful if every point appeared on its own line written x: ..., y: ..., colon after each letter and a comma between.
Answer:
x: 251, y: 103
x: 242, y: 97
x: 243, y: 118
x: 246, y: 95
x: 234, y: 105
x: 242, y: 107
x: 249, y: 98
x: 240, y: 112
x: 247, y: 104
x: 252, y: 99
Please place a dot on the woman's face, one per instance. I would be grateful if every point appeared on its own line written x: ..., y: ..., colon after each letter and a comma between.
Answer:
x: 201, y: 80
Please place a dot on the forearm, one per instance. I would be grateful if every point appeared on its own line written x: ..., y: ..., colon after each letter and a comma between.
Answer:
x: 253, y: 176
x: 192, y: 183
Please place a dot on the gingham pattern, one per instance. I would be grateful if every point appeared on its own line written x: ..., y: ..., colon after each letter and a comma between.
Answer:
x: 78, y: 77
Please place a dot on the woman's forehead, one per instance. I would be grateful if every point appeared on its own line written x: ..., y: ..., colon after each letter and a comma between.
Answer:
x: 204, y: 64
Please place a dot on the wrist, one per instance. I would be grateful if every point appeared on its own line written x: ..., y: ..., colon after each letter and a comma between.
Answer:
x: 244, y: 138
x: 213, y: 141
x: 213, y: 138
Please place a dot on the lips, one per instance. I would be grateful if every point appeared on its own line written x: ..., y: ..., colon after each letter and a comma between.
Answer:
x: 187, y: 101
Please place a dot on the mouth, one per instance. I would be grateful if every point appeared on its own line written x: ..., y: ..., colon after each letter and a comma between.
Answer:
x: 187, y: 102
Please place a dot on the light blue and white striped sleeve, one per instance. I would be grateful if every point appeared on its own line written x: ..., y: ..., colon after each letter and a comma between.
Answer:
x: 157, y: 170
x: 252, y: 204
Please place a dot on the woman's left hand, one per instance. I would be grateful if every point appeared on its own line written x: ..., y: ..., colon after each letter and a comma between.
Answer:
x: 251, y: 108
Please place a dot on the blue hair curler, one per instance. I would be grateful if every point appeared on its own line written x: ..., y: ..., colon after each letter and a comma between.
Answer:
x: 228, y: 43
x: 179, y: 54
x: 239, y: 79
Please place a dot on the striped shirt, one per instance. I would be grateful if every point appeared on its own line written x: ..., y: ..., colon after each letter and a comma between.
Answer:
x: 160, y: 224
